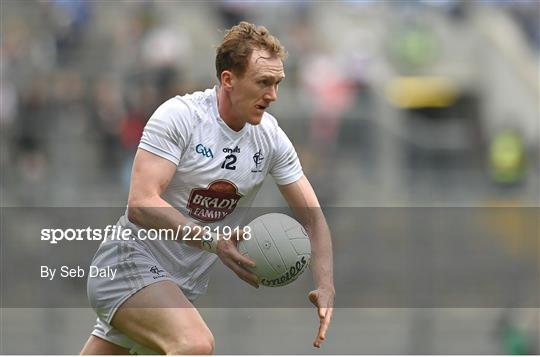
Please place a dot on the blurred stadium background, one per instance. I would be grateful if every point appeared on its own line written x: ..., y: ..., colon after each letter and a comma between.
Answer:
x: 389, y: 104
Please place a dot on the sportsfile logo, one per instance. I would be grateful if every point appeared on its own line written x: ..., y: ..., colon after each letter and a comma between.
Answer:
x: 204, y: 151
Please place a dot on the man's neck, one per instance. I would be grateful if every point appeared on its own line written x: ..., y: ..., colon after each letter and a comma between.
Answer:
x: 225, y: 109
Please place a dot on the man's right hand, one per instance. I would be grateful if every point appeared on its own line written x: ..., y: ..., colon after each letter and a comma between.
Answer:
x: 227, y: 251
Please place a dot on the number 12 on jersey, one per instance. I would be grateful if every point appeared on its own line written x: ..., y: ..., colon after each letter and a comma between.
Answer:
x: 229, y: 162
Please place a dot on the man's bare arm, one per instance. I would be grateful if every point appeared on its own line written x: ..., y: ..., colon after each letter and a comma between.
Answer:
x: 303, y: 201
x: 150, y: 177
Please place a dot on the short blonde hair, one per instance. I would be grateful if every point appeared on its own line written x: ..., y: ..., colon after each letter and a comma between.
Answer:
x: 238, y: 44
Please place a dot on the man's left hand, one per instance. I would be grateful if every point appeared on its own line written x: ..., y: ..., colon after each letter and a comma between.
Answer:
x: 323, y: 299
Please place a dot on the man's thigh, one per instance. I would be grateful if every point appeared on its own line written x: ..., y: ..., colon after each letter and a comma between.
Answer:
x: 99, y: 346
x: 158, y: 316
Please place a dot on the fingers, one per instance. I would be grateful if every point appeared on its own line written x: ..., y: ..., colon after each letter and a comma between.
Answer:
x: 242, y: 259
x: 323, y: 326
x: 320, y: 337
x: 235, y: 255
x: 314, y: 298
x: 323, y: 302
x: 242, y: 273
x: 232, y: 258
x: 228, y: 249
x: 325, y: 323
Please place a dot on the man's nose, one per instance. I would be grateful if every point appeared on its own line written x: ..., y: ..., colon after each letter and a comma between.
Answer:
x: 271, y: 94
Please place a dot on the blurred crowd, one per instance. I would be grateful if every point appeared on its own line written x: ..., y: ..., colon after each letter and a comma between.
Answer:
x: 58, y: 72
x: 81, y: 78
x: 69, y: 84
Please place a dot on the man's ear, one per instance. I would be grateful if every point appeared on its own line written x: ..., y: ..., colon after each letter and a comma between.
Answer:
x: 227, y: 80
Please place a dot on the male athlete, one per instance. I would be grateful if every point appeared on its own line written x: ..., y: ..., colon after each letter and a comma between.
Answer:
x: 203, y: 156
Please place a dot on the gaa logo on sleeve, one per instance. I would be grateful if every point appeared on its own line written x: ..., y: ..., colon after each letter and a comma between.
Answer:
x: 215, y: 202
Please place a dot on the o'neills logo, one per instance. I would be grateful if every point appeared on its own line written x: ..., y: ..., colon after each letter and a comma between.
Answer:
x: 213, y: 203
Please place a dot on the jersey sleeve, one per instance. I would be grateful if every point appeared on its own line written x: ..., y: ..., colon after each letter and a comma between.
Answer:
x: 285, y: 167
x: 166, y: 133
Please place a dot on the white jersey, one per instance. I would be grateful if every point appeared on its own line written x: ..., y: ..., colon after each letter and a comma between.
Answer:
x: 218, y: 171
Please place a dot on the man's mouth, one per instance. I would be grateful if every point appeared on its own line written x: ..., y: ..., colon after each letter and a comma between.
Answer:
x: 260, y: 107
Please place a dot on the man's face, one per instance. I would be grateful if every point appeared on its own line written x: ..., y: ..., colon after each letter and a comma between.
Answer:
x: 253, y: 92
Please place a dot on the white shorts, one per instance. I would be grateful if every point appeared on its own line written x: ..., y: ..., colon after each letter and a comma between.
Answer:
x: 136, y: 268
x: 107, y: 332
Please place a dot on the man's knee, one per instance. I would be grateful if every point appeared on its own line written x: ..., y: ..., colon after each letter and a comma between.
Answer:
x: 198, y: 344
